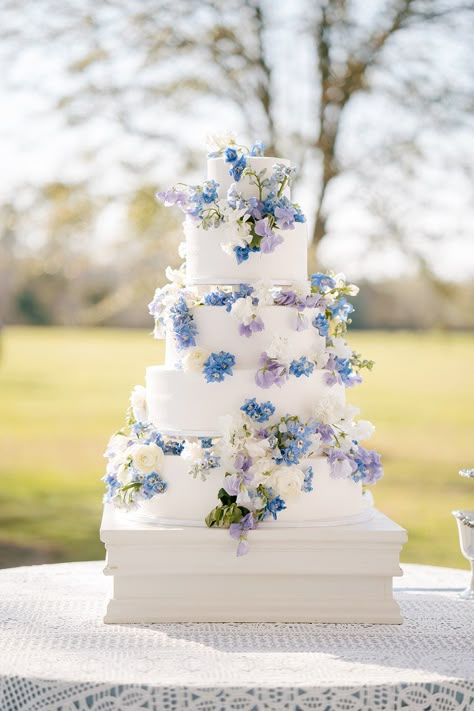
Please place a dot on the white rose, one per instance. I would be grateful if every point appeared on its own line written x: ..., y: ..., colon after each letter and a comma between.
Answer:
x: 138, y: 402
x: 147, y: 458
x: 363, y: 429
x: 194, y: 360
x: 117, y: 444
x: 288, y: 481
x: 341, y: 349
x: 191, y: 452
x: 261, y: 469
x: 328, y: 410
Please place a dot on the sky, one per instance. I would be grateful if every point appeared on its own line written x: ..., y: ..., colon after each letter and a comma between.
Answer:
x: 436, y: 198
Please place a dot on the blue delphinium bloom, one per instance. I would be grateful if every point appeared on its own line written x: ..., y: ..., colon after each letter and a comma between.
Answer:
x: 209, y: 191
x: 243, y: 291
x: 308, y: 480
x: 206, y: 442
x: 238, y: 168
x: 323, y: 282
x: 218, y: 298
x: 274, y: 506
x: 184, y: 328
x: 217, y: 366
x: 321, y: 324
x: 242, y: 253
x: 230, y: 155
x: 258, y: 149
x: 153, y: 484
x: 341, y: 309
x: 259, y: 412
x: 302, y: 366
x: 113, y: 485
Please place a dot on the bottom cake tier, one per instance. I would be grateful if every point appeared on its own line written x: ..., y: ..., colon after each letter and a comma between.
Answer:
x: 187, y: 500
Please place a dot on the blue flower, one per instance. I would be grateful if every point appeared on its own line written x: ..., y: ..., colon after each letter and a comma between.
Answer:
x: 369, y: 468
x: 321, y: 324
x: 300, y: 367
x: 274, y: 506
x: 258, y: 149
x: 209, y: 191
x: 341, y: 309
x: 231, y: 155
x: 206, y: 442
x: 259, y: 412
x: 238, y: 168
x: 153, y: 484
x: 243, y: 291
x: 217, y: 366
x: 218, y: 298
x: 242, y: 253
x: 184, y: 328
x: 308, y: 480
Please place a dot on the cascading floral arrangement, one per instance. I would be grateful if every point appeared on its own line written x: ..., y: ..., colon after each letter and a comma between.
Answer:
x: 256, y: 222
x: 264, y: 463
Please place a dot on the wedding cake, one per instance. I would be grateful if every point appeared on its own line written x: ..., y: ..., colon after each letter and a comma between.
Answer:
x: 245, y: 426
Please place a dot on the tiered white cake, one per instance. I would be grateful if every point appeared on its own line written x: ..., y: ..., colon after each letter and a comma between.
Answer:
x: 245, y: 426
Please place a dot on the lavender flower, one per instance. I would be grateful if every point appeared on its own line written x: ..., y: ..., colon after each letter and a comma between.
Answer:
x: 286, y: 298
x: 342, y: 466
x: 269, y: 243
x: 285, y: 217
x: 271, y: 372
x: 239, y: 531
x: 254, y: 326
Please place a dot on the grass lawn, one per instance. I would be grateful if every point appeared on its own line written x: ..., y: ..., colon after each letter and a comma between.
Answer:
x: 64, y: 391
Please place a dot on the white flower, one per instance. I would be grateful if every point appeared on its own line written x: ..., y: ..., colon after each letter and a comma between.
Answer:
x: 352, y: 289
x: 262, y: 290
x: 194, y: 360
x: 191, y: 452
x: 316, y: 444
x: 257, y: 448
x: 244, y: 311
x: 118, y: 444
x: 302, y: 288
x: 147, y: 458
x: 363, y: 429
x: 123, y: 473
x: 328, y: 410
x: 280, y: 349
x: 176, y: 276
x: 340, y: 348
x: 319, y: 354
x: 217, y: 141
x: 138, y: 402
x: 261, y: 469
x: 182, y: 249
x: 288, y: 481
x: 243, y: 499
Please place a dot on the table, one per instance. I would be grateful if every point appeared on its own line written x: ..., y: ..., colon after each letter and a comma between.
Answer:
x: 57, y: 655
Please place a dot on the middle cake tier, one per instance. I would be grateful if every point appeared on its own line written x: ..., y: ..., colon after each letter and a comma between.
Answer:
x: 218, y: 329
x: 184, y: 402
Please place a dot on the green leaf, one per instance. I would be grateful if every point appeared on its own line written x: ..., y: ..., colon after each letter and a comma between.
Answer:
x: 225, y: 498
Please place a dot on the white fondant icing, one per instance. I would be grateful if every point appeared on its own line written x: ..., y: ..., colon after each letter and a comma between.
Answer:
x: 219, y: 330
x: 189, y: 500
x: 218, y: 169
x: 185, y: 401
x: 207, y: 263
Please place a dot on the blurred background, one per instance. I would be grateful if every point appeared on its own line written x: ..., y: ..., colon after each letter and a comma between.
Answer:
x: 104, y: 103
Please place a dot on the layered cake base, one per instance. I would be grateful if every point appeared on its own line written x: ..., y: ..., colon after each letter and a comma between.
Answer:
x: 320, y: 573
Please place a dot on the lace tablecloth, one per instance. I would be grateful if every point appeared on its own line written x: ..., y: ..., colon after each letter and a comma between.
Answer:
x: 57, y: 655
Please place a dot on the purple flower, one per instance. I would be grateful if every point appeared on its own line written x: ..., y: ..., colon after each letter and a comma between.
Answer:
x: 262, y: 228
x: 173, y: 197
x: 254, y: 326
x: 268, y: 244
x: 285, y: 217
x: 286, y: 298
x: 271, y: 372
x: 242, y: 462
x: 239, y: 532
x: 342, y: 466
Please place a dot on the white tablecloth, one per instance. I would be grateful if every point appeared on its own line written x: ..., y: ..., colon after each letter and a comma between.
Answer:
x: 56, y: 654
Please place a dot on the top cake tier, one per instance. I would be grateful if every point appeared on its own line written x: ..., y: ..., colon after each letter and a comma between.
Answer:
x: 218, y: 170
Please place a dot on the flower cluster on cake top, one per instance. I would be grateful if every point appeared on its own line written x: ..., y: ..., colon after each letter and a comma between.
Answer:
x: 264, y: 461
x: 256, y: 222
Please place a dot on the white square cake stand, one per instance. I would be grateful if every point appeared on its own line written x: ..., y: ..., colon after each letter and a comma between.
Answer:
x: 311, y: 574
